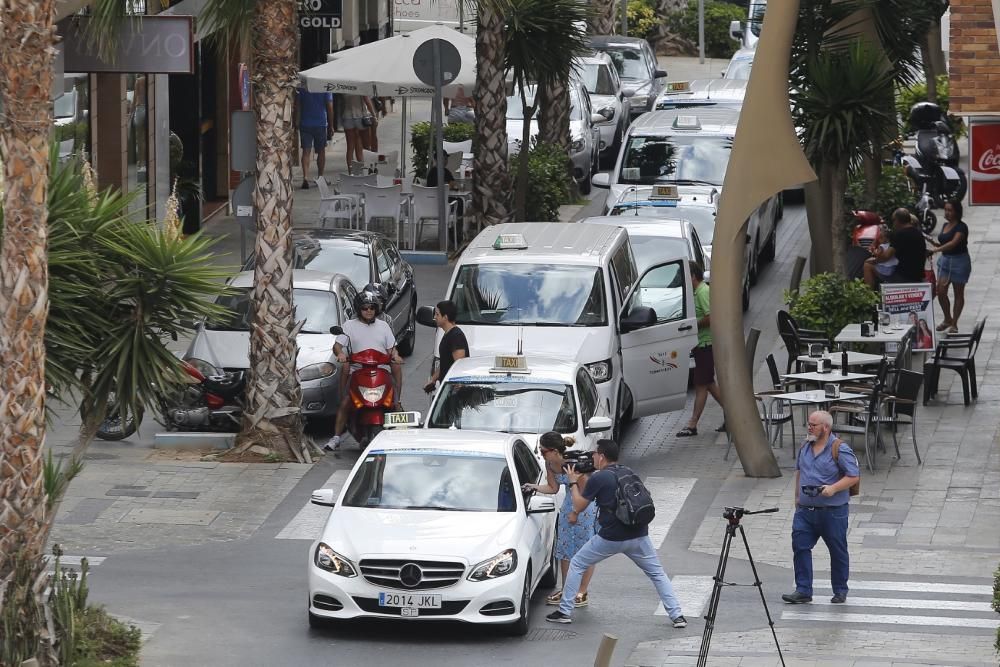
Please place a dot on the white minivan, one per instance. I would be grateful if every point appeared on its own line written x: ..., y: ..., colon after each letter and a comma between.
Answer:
x: 572, y: 290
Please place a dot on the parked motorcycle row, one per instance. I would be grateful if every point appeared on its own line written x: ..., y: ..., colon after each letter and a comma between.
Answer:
x: 933, y: 167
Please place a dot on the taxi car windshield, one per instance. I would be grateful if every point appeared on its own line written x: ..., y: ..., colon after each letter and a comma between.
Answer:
x: 428, y: 479
x: 530, y: 295
x: 514, y: 407
x: 650, y: 160
x: 318, y: 309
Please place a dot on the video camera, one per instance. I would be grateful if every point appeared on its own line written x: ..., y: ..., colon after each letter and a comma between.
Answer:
x: 583, y: 462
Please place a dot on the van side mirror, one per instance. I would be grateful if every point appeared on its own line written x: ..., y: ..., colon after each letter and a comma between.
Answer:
x: 323, y: 497
x: 736, y: 31
x: 639, y: 317
x: 425, y: 316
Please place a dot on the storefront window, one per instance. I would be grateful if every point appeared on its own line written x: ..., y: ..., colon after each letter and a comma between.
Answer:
x: 71, y: 118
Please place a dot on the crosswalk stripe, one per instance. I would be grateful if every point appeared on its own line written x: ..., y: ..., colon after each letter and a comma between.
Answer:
x: 72, y: 562
x: 692, y: 592
x: 914, y: 587
x: 669, y: 494
x: 890, y: 619
x: 907, y: 603
x: 310, y: 520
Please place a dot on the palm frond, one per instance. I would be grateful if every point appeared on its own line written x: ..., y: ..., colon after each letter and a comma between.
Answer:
x: 230, y: 23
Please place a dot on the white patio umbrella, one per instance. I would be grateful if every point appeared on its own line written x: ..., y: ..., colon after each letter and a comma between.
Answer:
x: 385, y: 69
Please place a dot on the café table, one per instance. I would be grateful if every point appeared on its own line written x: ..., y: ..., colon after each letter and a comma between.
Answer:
x: 816, y: 397
x: 853, y: 359
x: 823, y: 378
x: 885, y: 335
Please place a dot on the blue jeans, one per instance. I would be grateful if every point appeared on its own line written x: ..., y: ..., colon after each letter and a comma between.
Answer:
x: 642, y: 553
x: 808, y: 526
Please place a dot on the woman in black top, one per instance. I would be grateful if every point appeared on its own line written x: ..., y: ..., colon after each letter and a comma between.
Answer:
x: 954, y: 266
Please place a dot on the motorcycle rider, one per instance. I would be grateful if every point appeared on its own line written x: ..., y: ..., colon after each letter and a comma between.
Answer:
x: 367, y: 331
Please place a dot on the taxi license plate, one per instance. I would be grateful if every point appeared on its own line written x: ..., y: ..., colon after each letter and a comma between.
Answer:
x: 409, y: 600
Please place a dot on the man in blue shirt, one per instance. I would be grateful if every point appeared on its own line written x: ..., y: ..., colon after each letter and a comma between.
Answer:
x: 822, y: 491
x: 613, y: 536
x: 315, y: 129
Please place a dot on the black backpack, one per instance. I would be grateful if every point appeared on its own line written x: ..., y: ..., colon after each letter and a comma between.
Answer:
x: 633, y: 502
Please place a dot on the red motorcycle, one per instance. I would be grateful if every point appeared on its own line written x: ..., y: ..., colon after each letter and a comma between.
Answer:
x: 865, y: 232
x: 372, y: 392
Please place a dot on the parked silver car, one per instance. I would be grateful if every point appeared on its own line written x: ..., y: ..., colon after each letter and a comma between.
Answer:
x: 608, y: 99
x: 642, y: 78
x: 585, y: 137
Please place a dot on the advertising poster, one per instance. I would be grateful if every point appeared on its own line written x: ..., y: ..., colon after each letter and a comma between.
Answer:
x: 984, y: 162
x: 912, y: 303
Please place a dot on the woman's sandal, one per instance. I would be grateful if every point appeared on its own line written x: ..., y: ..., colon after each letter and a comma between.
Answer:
x: 943, y: 326
x: 687, y: 432
x: 554, y: 598
x: 581, y: 600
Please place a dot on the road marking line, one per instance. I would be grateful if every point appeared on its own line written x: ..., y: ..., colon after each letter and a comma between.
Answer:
x: 890, y: 619
x: 906, y: 603
x: 74, y: 561
x: 692, y: 592
x: 669, y: 494
x: 914, y: 587
x: 309, y: 522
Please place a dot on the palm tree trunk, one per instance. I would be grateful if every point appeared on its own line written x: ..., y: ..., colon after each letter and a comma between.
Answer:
x: 274, y: 397
x: 27, y: 38
x: 662, y: 36
x: 491, y: 187
x: 521, y: 186
x: 817, y: 195
x: 603, y: 20
x: 836, y: 174
x: 553, y: 114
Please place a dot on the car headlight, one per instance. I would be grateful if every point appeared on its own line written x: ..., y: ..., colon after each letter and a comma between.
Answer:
x: 204, y: 367
x: 500, y: 565
x: 639, y: 101
x: 600, y: 370
x: 329, y: 560
x: 373, y: 394
x: 317, y: 371
x: 577, y: 145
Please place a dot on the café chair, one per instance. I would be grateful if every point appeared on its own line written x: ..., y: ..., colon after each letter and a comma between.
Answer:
x: 380, y: 160
x: 956, y: 353
x: 862, y: 419
x: 336, y: 206
x: 774, y: 412
x: 901, y: 407
x: 457, y: 146
x: 425, y: 208
x: 797, y: 339
x: 385, y: 203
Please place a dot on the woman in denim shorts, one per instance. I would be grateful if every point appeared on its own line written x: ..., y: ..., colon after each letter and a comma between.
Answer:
x: 355, y: 108
x: 954, y: 266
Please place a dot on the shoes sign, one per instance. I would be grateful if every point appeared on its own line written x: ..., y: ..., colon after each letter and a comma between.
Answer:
x: 984, y: 162
x: 320, y: 13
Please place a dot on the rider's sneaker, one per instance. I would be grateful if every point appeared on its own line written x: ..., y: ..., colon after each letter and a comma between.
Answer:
x: 333, y: 444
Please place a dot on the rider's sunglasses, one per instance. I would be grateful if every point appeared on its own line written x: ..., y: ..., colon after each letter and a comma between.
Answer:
x: 367, y: 307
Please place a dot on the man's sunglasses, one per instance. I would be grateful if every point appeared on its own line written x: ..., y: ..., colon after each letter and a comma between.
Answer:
x: 367, y: 307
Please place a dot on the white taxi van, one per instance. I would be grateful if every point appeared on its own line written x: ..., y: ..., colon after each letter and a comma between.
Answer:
x: 572, y: 291
x: 433, y: 525
x: 520, y: 394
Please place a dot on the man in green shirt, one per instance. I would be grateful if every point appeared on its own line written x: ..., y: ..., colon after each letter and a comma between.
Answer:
x: 704, y: 363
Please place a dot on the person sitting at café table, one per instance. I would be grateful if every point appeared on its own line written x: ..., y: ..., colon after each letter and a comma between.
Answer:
x: 431, y: 180
x: 909, y: 248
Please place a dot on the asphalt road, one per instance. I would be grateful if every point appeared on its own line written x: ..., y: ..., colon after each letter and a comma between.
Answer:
x: 244, y: 602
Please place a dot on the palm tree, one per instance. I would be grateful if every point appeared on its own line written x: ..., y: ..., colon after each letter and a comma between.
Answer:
x: 842, y: 112
x: 542, y: 41
x: 491, y: 191
x: 602, y: 19
x: 274, y: 396
x: 27, y: 40
x: 663, y: 34
x: 553, y: 114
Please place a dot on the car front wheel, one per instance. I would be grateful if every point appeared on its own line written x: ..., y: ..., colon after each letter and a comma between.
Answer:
x: 520, y: 627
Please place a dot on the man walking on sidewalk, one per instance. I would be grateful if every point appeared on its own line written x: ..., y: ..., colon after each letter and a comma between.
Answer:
x: 825, y: 471
x: 315, y: 129
x: 704, y: 361
x: 613, y: 535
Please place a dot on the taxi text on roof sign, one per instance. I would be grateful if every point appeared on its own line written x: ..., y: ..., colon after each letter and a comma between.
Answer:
x: 678, y: 86
x: 665, y: 192
x: 687, y: 123
x: 402, y: 419
x: 516, y: 363
x: 510, y: 242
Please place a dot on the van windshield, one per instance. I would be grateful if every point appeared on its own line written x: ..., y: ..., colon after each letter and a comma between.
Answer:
x: 530, y: 295
x: 700, y: 159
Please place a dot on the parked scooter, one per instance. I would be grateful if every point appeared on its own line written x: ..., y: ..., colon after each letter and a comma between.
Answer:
x: 933, y: 168
x: 211, y: 403
x: 372, y: 391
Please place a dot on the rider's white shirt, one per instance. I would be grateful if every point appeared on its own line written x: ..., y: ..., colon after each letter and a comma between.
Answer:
x: 374, y: 336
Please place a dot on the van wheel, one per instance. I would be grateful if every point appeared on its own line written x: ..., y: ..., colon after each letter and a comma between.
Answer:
x: 755, y: 262
x: 746, y: 297
x: 769, y: 247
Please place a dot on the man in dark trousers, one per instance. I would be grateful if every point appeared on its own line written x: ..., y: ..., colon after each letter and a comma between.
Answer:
x: 453, y: 344
x: 315, y: 130
x: 704, y: 361
x: 910, y: 249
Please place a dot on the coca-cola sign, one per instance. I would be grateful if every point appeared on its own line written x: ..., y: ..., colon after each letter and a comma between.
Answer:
x: 984, y: 162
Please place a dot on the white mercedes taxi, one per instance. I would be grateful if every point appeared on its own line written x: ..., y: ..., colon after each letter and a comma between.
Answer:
x: 519, y: 394
x: 432, y: 525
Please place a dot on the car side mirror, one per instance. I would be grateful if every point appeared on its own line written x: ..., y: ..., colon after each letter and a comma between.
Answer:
x: 323, y: 497
x: 541, y: 504
x: 660, y: 73
x: 639, y: 317
x: 606, y: 114
x: 425, y: 316
x: 597, y: 118
x: 598, y: 423
x: 736, y: 30
x: 601, y: 180
x: 336, y: 330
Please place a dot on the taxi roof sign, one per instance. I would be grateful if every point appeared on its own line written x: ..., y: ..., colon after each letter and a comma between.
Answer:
x: 402, y: 420
x: 511, y: 363
x: 687, y: 123
x: 510, y: 242
x: 678, y: 86
x: 665, y: 192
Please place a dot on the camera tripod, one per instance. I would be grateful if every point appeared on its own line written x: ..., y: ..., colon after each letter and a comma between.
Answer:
x: 733, y: 515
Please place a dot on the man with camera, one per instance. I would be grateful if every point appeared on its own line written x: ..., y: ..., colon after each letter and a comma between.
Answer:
x: 825, y: 472
x: 614, y: 536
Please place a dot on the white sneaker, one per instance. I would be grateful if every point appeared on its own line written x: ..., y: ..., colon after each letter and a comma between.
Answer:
x: 333, y: 444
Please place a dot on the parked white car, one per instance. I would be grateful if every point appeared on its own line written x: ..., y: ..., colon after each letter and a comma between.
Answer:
x: 432, y: 524
x: 728, y: 93
x: 546, y: 395
x: 608, y: 99
x: 740, y: 64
